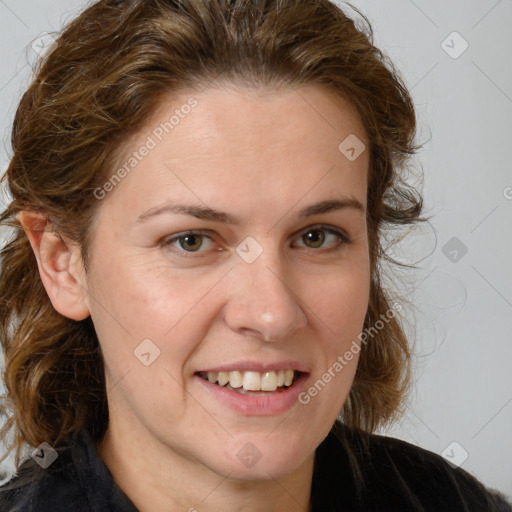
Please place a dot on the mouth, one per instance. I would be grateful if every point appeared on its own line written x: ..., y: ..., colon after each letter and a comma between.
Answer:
x: 252, y: 382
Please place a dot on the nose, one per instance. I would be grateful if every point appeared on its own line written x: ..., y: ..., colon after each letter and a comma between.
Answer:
x: 262, y: 303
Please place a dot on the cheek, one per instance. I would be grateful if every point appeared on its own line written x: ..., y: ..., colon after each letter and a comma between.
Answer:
x: 138, y: 300
x: 136, y: 293
x: 341, y: 302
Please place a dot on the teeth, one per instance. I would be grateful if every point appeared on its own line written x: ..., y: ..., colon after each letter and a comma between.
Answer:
x: 269, y: 381
x: 235, y: 379
x: 252, y: 381
x: 223, y: 378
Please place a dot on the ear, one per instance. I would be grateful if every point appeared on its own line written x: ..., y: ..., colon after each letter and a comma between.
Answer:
x: 60, y: 266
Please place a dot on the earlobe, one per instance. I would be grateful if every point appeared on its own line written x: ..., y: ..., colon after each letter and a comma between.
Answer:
x: 60, y: 266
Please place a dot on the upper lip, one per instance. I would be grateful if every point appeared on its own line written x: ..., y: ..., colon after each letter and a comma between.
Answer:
x: 258, y: 366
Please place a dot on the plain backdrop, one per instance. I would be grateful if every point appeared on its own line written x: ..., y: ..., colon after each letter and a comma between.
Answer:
x: 455, y: 58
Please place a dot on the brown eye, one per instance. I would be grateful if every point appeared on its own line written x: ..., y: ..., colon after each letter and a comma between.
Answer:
x: 188, y: 242
x: 191, y: 243
x: 314, y: 238
x: 323, y: 237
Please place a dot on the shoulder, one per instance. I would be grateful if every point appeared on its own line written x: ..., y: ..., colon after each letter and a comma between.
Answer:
x: 391, y: 474
x: 431, y: 479
x: 76, y: 481
x: 34, y: 488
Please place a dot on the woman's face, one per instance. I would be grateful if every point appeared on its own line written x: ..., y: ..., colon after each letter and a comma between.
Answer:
x: 263, y: 285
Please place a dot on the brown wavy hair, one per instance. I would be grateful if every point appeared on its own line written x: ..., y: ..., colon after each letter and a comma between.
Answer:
x: 98, y: 85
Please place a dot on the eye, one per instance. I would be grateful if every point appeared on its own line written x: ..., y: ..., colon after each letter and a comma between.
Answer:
x: 315, y: 236
x: 190, y: 241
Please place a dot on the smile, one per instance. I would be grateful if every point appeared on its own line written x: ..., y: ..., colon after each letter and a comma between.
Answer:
x: 252, y: 381
x: 254, y: 393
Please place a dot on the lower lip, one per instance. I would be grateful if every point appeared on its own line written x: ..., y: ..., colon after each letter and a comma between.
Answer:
x: 252, y: 405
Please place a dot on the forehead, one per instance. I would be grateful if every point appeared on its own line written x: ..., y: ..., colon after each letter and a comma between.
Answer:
x: 275, y: 143
x: 227, y: 113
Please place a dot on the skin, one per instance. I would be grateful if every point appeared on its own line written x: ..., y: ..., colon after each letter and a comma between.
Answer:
x: 260, y: 156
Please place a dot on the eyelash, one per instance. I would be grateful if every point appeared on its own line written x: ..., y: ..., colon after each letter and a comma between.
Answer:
x: 342, y: 239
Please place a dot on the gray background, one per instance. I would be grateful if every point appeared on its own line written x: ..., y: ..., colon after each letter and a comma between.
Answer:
x: 462, y: 315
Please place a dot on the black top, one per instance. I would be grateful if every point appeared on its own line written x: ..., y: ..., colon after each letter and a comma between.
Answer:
x: 353, y: 472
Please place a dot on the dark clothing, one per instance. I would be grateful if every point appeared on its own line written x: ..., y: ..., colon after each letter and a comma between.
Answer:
x: 353, y: 472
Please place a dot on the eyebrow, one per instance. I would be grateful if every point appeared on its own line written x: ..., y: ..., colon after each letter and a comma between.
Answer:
x: 205, y: 213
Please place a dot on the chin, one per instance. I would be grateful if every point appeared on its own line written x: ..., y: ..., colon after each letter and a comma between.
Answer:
x: 261, y: 471
x: 256, y: 457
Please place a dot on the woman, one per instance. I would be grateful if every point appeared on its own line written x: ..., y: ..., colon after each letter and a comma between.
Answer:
x: 192, y: 296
